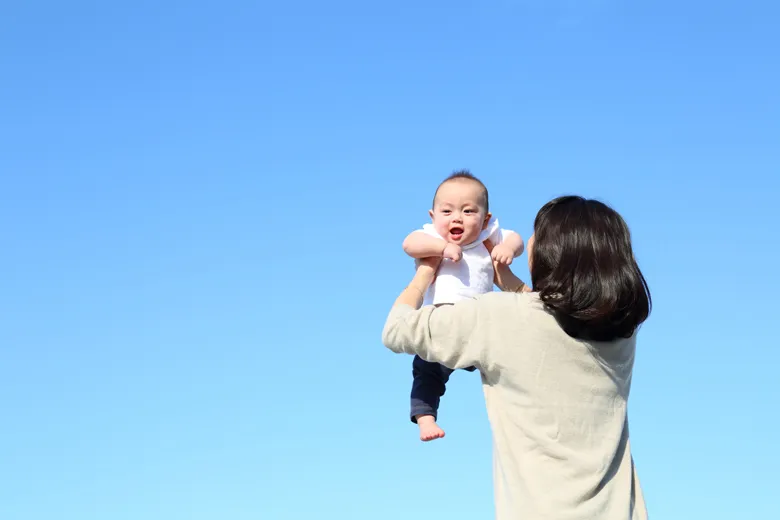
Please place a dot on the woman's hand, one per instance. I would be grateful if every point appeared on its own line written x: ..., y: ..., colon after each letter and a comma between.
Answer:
x: 423, y: 278
x: 426, y: 272
x: 430, y: 264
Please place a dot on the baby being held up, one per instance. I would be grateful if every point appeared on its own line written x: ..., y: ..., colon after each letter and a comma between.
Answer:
x: 461, y: 223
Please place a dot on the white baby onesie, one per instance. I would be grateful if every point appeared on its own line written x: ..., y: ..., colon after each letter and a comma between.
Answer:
x: 470, y: 276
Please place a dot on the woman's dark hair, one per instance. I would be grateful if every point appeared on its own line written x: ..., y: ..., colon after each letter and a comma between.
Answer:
x: 584, y: 270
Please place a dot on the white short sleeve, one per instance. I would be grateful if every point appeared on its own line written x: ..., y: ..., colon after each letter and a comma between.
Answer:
x: 495, y: 233
x: 500, y: 235
x: 428, y: 229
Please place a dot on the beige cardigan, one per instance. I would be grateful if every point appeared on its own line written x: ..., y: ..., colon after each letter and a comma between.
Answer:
x: 557, y: 405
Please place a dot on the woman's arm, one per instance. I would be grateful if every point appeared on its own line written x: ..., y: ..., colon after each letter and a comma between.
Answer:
x: 440, y: 334
x: 414, y: 293
x: 507, y: 281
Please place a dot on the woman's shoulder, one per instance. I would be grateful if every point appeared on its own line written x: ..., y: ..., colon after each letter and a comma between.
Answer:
x: 526, y: 302
x: 519, y: 298
x: 525, y: 310
x: 528, y: 312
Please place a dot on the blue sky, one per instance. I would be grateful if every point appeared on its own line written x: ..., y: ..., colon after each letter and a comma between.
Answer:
x: 202, y: 207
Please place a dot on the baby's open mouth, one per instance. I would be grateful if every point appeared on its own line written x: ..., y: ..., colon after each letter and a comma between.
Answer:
x: 456, y: 232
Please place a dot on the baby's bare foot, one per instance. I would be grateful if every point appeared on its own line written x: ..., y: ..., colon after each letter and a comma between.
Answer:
x: 429, y: 430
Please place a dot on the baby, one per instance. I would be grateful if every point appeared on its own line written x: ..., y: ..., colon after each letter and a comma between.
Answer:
x: 461, y: 223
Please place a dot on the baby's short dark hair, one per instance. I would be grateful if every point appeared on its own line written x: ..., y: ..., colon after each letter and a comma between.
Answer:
x: 465, y: 175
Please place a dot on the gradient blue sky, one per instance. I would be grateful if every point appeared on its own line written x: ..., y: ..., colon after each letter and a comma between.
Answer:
x: 201, y: 212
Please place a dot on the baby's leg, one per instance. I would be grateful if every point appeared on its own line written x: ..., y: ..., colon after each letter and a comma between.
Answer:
x: 429, y: 385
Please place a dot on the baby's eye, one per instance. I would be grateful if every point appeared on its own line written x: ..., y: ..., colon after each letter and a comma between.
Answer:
x: 469, y: 211
x: 446, y: 211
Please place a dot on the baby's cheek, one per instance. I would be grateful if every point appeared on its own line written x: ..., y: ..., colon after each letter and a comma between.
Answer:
x: 474, y: 232
x: 441, y: 227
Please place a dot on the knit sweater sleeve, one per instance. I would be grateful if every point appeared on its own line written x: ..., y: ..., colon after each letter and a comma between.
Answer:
x: 448, y: 334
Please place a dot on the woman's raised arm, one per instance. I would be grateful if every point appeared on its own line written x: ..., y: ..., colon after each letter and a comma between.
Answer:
x: 439, y: 334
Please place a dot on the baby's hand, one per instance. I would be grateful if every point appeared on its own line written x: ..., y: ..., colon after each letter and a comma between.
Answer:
x: 453, y: 252
x: 502, y: 254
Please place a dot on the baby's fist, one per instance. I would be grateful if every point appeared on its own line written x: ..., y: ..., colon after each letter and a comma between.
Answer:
x: 453, y: 252
x: 502, y: 254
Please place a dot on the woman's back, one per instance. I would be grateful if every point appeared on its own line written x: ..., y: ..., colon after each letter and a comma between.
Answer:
x: 557, y: 407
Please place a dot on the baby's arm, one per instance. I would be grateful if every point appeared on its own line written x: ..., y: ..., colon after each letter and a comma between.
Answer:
x: 504, y: 278
x: 422, y: 245
x: 514, y: 242
x: 511, y: 246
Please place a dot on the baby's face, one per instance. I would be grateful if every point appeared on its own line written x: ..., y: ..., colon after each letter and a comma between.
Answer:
x: 458, y: 213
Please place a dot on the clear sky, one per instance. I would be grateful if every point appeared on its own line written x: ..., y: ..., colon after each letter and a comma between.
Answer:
x: 201, y: 212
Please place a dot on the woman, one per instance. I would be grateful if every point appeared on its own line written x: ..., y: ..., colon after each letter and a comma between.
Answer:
x: 556, y: 363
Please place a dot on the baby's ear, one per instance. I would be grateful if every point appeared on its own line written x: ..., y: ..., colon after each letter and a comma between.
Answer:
x: 487, y: 219
x: 430, y: 213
